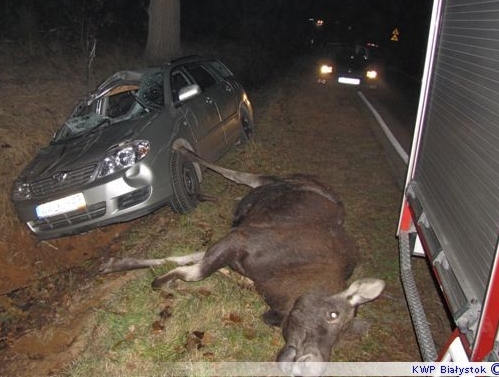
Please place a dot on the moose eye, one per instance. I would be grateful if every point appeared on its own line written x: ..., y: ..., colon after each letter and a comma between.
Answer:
x: 332, y: 316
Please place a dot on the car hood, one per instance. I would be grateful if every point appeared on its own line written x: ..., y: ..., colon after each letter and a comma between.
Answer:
x: 85, y: 149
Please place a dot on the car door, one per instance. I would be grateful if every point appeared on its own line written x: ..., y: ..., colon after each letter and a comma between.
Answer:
x: 208, y: 128
x: 226, y: 100
x: 201, y: 114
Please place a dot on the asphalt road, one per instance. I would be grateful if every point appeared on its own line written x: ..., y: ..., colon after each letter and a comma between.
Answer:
x: 395, y: 103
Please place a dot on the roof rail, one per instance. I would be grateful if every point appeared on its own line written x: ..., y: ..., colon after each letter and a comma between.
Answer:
x: 187, y: 57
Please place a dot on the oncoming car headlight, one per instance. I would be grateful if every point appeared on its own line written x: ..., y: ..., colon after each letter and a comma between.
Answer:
x: 123, y: 156
x: 326, y: 69
x: 371, y: 74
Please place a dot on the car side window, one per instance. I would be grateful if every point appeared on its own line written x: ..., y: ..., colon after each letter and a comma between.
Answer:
x: 204, y: 78
x: 178, y: 81
x: 220, y: 68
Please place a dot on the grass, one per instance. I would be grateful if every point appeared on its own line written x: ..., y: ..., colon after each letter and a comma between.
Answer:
x: 208, y: 321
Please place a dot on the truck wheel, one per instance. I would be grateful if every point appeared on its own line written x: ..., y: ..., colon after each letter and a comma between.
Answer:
x: 185, y: 184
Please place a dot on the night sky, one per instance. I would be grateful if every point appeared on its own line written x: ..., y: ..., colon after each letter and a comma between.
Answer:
x: 372, y: 20
x: 285, y: 26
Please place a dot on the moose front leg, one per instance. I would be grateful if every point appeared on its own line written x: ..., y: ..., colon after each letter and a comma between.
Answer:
x: 229, y: 251
x: 186, y: 273
x: 126, y: 264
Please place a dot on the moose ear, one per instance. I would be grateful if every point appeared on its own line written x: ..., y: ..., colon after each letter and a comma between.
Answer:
x: 364, y: 290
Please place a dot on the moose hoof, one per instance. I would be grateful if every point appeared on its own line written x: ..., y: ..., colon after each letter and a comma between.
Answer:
x: 161, y: 282
x: 272, y: 318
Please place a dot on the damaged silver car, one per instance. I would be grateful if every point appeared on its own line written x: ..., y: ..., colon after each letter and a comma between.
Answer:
x: 112, y: 160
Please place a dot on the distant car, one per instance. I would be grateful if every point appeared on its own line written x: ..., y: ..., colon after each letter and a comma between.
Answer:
x: 112, y: 160
x: 350, y: 64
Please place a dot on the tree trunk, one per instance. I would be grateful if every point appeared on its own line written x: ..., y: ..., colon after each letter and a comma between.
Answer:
x: 163, y: 38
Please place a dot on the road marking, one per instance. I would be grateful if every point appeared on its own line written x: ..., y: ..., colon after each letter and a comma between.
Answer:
x: 401, y: 152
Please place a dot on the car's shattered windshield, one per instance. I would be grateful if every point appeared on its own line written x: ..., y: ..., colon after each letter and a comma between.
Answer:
x: 117, y: 99
x: 80, y: 124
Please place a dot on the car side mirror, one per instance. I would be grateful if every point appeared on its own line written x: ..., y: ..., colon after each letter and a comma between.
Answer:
x: 188, y: 92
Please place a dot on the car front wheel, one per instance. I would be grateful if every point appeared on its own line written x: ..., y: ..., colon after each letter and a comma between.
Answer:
x: 248, y: 128
x: 185, y: 184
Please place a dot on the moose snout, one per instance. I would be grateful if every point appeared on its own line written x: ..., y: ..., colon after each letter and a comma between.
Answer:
x: 294, y: 364
x: 287, y: 354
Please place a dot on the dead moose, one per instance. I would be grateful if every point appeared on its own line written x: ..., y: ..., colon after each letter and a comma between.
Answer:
x: 287, y: 237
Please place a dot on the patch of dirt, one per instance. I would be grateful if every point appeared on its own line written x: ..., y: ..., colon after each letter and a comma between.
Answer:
x: 32, y: 272
x: 26, y: 259
x: 50, y: 290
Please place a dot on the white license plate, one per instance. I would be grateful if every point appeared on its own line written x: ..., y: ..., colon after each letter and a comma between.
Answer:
x: 63, y: 205
x: 349, y: 80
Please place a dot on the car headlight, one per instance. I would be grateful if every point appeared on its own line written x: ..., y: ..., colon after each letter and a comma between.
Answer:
x: 371, y: 74
x: 326, y: 69
x: 21, y: 191
x: 124, y: 156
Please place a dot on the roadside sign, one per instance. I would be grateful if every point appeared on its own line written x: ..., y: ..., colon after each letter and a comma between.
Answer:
x: 395, y: 35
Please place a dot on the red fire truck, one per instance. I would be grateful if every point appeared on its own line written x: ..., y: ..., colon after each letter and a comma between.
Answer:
x: 450, y: 209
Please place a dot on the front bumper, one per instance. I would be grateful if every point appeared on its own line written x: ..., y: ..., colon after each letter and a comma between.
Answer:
x: 123, y: 197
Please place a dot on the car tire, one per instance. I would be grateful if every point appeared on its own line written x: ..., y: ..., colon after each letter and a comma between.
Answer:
x: 185, y: 184
x: 247, y: 127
